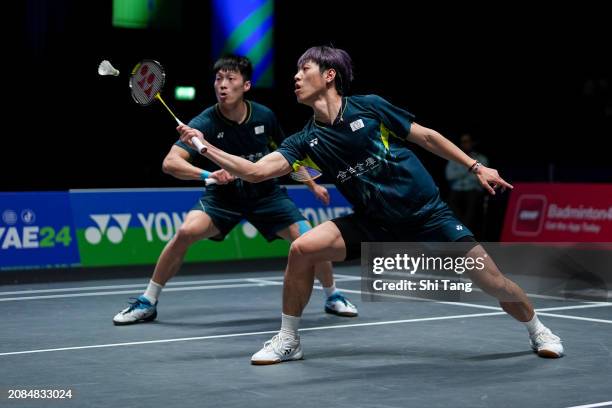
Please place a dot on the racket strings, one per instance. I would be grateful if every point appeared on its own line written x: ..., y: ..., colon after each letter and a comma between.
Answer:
x: 305, y: 173
x: 146, y: 82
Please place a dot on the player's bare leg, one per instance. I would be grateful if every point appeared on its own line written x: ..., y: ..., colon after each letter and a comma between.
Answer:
x: 324, y: 243
x: 515, y: 302
x: 335, y: 301
x: 197, y: 225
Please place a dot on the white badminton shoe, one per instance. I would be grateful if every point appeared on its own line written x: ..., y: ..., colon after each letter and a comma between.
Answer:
x: 546, y: 344
x: 277, y: 350
x: 339, y: 305
x: 139, y: 311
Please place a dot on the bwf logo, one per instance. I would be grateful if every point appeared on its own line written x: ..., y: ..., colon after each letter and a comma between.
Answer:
x: 314, y: 142
x: 529, y: 215
x: 114, y: 233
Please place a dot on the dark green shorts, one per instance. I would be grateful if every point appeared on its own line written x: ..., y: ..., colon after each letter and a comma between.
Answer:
x: 441, y: 226
x: 269, y: 214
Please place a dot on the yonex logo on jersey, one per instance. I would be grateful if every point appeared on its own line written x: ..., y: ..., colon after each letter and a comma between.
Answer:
x: 220, y: 135
x: 356, y: 125
x: 259, y: 129
x: 314, y: 142
x: 459, y: 227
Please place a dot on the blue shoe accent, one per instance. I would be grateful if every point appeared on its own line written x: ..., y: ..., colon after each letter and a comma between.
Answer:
x: 141, y: 302
x: 339, y: 305
x: 337, y: 296
x: 139, y: 311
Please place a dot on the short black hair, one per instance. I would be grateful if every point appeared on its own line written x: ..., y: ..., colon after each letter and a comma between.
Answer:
x: 329, y: 57
x: 235, y: 63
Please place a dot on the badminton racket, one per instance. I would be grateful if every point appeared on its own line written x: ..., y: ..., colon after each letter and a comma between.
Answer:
x: 146, y: 83
x: 305, y: 173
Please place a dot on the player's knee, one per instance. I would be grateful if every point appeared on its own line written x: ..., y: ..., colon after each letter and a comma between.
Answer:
x: 300, y: 248
x: 186, y: 235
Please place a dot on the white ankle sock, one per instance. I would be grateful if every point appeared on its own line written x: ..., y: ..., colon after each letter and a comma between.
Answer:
x: 534, y: 325
x: 329, y: 291
x: 152, y: 292
x: 289, y: 326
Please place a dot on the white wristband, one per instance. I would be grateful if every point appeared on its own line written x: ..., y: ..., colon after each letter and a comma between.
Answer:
x: 475, y: 168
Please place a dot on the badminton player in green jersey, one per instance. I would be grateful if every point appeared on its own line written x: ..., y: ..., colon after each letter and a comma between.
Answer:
x: 247, y: 129
x: 362, y: 142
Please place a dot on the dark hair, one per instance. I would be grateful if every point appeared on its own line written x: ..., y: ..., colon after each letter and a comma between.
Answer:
x: 329, y: 57
x: 234, y: 63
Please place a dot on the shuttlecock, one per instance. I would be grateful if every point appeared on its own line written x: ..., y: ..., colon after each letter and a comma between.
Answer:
x: 105, y: 68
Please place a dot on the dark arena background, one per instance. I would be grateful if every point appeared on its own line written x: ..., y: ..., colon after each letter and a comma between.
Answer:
x: 86, y: 208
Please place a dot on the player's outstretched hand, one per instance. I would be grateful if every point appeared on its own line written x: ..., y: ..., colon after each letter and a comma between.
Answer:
x: 491, y: 180
x: 321, y: 193
x: 222, y: 176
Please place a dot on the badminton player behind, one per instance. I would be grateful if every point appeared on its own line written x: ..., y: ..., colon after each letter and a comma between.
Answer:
x: 361, y: 143
x: 246, y: 129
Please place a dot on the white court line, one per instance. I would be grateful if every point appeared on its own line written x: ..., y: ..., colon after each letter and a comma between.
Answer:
x: 598, y: 404
x: 223, y: 336
x: 586, y: 319
x: 127, y: 292
x: 264, y: 281
x: 249, y: 283
x: 142, y: 285
x: 358, y: 292
x: 136, y: 285
x: 539, y: 311
x: 546, y: 309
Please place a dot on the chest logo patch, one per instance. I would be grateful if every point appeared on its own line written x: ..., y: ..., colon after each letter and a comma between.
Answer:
x: 314, y: 142
x: 356, y: 125
x: 259, y: 129
x: 220, y: 135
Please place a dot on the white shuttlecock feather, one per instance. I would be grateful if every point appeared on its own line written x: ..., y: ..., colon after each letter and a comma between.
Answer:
x: 106, y: 68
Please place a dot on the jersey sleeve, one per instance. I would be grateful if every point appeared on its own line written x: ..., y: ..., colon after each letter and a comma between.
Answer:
x: 396, y: 120
x: 292, y: 149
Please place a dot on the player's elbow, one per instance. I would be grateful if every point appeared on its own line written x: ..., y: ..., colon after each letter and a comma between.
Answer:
x: 258, y: 173
x: 255, y: 176
x: 168, y: 165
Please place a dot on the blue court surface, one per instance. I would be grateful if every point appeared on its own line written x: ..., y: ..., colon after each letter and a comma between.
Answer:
x: 60, y: 336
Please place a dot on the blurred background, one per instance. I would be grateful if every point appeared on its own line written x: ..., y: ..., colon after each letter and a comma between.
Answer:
x: 530, y: 84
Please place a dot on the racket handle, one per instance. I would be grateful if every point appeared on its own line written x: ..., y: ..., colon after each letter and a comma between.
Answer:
x: 199, y: 145
x: 196, y: 142
x: 210, y: 181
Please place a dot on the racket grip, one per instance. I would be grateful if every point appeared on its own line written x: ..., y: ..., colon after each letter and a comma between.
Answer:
x: 210, y: 181
x: 199, y: 145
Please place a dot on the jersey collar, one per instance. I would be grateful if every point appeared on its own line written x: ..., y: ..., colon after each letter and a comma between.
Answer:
x: 339, y: 119
x: 231, y: 122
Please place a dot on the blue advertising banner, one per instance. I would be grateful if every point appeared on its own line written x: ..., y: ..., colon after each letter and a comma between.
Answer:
x: 127, y: 226
x: 315, y: 211
x: 36, y: 230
